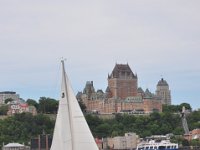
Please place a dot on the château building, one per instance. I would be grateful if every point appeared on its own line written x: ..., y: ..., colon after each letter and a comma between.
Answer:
x: 123, y: 94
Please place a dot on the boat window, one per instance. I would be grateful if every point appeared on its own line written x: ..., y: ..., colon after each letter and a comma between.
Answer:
x: 63, y: 95
x: 175, y: 146
x: 151, y: 147
x: 161, y: 147
x: 168, y: 146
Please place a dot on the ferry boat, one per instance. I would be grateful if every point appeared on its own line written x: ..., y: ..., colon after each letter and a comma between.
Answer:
x: 157, y: 145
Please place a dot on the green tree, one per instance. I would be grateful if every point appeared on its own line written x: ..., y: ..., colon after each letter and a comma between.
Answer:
x: 48, y: 105
x: 8, y: 100
x: 155, y: 116
x: 32, y: 103
x: 103, y: 130
x: 82, y: 106
x: 178, y: 131
x: 171, y: 108
x: 3, y: 109
x: 21, y: 127
x: 146, y: 133
x: 195, y: 142
x: 187, y: 106
x: 93, y: 121
x: 185, y: 142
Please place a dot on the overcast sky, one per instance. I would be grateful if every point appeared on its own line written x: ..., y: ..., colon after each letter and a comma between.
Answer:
x: 156, y: 38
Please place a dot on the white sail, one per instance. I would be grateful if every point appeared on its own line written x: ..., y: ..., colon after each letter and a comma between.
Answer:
x: 71, y: 131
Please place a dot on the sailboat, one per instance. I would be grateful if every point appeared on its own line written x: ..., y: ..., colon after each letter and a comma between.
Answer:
x: 71, y: 130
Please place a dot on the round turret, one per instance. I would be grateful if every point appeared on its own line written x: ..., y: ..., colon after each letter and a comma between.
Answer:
x: 162, y: 82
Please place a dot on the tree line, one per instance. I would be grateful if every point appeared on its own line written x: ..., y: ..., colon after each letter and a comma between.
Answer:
x: 44, y: 105
x: 21, y: 127
x: 169, y: 121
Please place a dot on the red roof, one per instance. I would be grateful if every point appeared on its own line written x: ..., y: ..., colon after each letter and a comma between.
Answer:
x: 24, y: 105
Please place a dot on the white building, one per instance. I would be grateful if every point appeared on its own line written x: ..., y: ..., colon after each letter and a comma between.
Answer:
x: 17, y: 107
x: 127, y: 142
x: 131, y: 140
x: 119, y: 142
x: 15, y: 146
x: 8, y: 94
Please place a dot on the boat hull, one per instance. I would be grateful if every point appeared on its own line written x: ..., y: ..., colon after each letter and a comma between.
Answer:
x: 158, y: 149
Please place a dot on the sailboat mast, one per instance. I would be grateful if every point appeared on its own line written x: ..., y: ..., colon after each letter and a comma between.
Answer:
x: 71, y: 131
x: 68, y: 103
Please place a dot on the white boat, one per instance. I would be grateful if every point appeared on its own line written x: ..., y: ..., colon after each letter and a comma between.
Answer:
x: 157, y: 145
x: 71, y: 130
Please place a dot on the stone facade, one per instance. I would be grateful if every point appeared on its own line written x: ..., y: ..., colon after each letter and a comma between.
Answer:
x: 121, y: 96
x: 129, y: 141
x: 122, y: 82
x: 8, y: 95
x: 163, y: 92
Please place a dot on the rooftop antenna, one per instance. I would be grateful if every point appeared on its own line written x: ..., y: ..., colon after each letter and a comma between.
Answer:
x: 161, y: 76
x: 63, y: 59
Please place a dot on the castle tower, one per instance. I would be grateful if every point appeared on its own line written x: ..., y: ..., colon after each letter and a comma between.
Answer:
x: 122, y: 83
x: 163, y: 92
x: 89, y: 89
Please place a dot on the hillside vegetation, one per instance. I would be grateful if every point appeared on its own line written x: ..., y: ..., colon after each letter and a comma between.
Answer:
x: 22, y: 127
